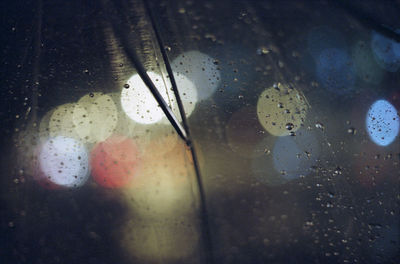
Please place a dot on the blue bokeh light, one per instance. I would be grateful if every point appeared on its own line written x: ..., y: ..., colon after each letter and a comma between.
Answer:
x: 322, y: 38
x: 335, y: 71
x: 382, y: 123
x: 386, y: 52
x: 200, y: 69
x: 365, y: 65
x: 294, y: 156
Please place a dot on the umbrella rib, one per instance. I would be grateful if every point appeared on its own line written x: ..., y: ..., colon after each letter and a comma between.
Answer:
x: 131, y: 54
x: 168, y: 67
x: 204, y: 211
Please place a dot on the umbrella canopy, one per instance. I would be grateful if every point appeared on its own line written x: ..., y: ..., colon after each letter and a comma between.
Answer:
x: 200, y: 131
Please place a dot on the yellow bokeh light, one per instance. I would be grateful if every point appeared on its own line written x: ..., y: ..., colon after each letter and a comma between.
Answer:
x: 162, y: 194
x: 163, y: 186
x: 281, y: 110
x: 61, y: 124
x: 95, y: 117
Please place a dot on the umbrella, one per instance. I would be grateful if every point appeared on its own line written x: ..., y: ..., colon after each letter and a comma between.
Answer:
x: 201, y: 132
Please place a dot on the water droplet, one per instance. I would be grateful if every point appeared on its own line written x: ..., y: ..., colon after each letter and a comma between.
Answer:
x: 263, y: 51
x: 91, y: 94
x: 289, y: 126
x: 351, y: 130
x: 338, y: 170
x: 126, y: 86
x: 319, y: 125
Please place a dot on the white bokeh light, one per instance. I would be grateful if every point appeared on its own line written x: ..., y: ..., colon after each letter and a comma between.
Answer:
x: 64, y: 162
x: 140, y: 105
x: 187, y: 93
x: 201, y: 69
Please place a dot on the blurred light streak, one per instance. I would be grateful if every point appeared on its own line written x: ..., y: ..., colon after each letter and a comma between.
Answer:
x: 335, y: 71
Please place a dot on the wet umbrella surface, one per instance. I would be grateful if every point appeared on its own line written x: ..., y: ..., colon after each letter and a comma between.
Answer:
x: 200, y: 132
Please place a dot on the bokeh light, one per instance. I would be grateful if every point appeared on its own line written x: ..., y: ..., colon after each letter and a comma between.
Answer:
x: 386, y: 51
x: 281, y: 110
x: 140, y: 105
x: 187, y: 94
x: 364, y: 63
x: 148, y: 137
x: 114, y: 162
x: 64, y: 162
x: 162, y: 187
x: 335, y: 71
x: 61, y: 122
x: 382, y: 122
x: 138, y: 102
x: 294, y: 156
x: 238, y: 73
x: 201, y: 69
x: 95, y: 117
